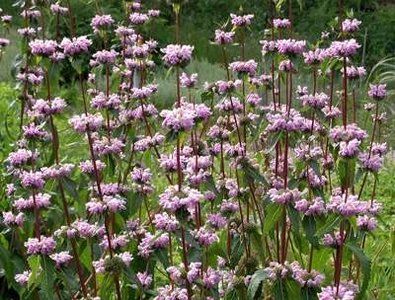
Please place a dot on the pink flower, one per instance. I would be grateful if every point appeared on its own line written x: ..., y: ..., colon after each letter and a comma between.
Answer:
x: 351, y: 25
x: 241, y: 21
x: 101, y: 21
x: 223, y: 37
x: 377, y: 91
x: 23, y: 278
x: 75, y: 46
x: 61, y: 258
x: 281, y: 23
x: 177, y: 55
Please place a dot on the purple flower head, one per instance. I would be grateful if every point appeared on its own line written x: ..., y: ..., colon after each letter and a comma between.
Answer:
x: 104, y: 57
x: 313, y: 208
x: 33, y: 180
x: 75, y: 46
x: 268, y: 46
x: 314, y: 57
x: 145, y: 279
x: 281, y: 23
x: 23, y: 278
x: 366, y: 223
x: 188, y: 81
x: 40, y: 200
x: 332, y: 240
x: 9, y: 219
x: 343, y: 48
x: 137, y: 18
x: 57, y: 171
x: 205, y: 237
x: 345, y: 291
x: 217, y: 221
x: 351, y: 132
x: 57, y: 9
x: 354, y: 72
x: 166, y: 222
x: 4, y: 42
x: 173, y: 200
x: 179, y: 119
x: 286, y: 66
x: 351, y: 25
x: 223, y: 37
x: 379, y: 149
x: 371, y: 162
x: 28, y: 32
x: 44, y: 245
x: 21, y: 157
x: 31, y: 13
x: 99, y: 22
x: 177, y: 55
x: 349, y: 149
x: 6, y: 19
x: 90, y: 122
x: 377, y: 91
x: 284, y: 196
x: 346, y: 206
x: 153, y: 13
x: 241, y: 21
x: 43, y: 47
x: 290, y: 46
x: 61, y: 258
x: 317, y: 101
x: 244, y: 67
x: 310, y: 279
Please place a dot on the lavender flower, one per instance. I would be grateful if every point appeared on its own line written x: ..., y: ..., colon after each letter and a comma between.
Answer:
x: 241, y: 21
x: 99, y: 22
x: 177, y: 55
x: 223, y: 37
x: 351, y: 25
x: 378, y: 91
x: 75, y: 46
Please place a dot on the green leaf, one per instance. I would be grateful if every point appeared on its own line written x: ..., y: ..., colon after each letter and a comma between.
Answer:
x: 35, y: 267
x: 329, y: 225
x: 255, y: 288
x: 47, y: 279
x: 309, y: 226
x: 70, y: 186
x: 366, y: 267
x: 272, y: 216
x: 293, y: 289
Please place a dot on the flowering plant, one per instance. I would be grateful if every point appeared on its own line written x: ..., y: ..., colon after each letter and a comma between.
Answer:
x: 256, y: 189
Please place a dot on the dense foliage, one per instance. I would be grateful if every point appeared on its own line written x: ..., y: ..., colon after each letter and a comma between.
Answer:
x: 263, y: 184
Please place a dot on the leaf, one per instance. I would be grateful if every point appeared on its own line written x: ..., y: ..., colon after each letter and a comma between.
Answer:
x: 34, y: 265
x: 279, y: 290
x: 255, y: 288
x: 272, y: 216
x: 293, y: 289
x: 309, y: 226
x: 237, y: 251
x: 48, y: 279
x: 272, y: 142
x: 366, y: 267
x: 315, y: 166
x: 207, y: 96
x: 70, y: 186
x: 252, y: 173
x: 329, y: 225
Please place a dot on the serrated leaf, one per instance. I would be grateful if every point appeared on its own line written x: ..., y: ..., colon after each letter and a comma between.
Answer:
x: 255, y: 287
